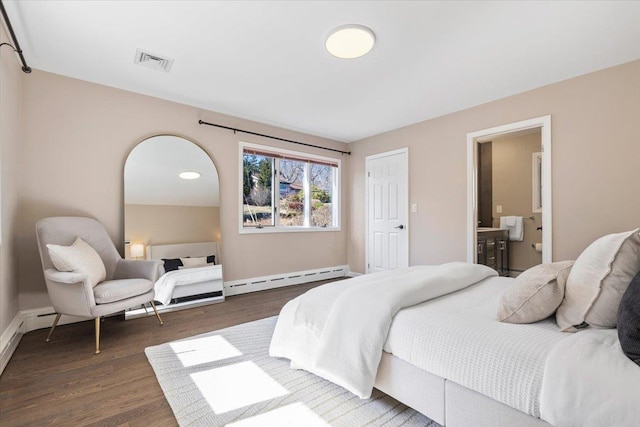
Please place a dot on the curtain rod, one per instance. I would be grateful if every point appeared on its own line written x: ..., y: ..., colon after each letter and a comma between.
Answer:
x: 16, y: 48
x: 273, y: 137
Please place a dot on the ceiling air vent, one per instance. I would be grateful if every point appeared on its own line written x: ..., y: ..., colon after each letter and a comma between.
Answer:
x: 153, y: 61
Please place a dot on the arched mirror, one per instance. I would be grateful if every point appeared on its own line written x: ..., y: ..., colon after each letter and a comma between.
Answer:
x: 172, y: 214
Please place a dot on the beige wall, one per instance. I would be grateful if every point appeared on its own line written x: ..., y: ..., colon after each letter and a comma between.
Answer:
x: 512, y: 189
x: 77, y: 136
x: 595, y: 135
x: 11, y: 79
x: 163, y: 225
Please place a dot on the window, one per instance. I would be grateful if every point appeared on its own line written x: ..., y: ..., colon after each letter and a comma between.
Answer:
x: 284, y: 190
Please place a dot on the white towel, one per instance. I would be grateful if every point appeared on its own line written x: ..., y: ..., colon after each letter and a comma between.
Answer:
x: 515, y: 226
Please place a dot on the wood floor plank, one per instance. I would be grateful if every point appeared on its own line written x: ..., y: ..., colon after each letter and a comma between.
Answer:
x: 62, y: 383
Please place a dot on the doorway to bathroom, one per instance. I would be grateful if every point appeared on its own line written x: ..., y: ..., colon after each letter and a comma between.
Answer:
x: 509, y: 196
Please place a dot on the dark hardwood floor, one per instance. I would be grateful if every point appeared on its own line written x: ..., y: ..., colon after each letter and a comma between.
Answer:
x: 62, y: 383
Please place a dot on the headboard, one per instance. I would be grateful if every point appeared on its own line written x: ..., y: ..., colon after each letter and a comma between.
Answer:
x: 183, y: 250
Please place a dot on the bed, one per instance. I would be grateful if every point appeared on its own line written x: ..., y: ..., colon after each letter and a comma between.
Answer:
x: 448, y: 357
x: 186, y: 286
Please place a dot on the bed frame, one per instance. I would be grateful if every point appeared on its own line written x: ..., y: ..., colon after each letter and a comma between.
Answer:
x: 191, y: 295
x: 445, y: 402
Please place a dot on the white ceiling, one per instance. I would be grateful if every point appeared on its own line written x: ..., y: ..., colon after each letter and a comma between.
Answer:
x: 266, y: 61
x: 152, y: 168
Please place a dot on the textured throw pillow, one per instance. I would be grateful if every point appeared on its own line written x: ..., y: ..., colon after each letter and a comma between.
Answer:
x: 535, y: 294
x: 598, y: 280
x: 629, y: 321
x: 80, y: 257
x: 194, y: 262
x: 171, y: 264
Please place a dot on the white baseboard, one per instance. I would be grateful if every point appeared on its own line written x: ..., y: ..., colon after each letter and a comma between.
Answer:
x: 354, y: 274
x: 254, y: 284
x: 10, y: 339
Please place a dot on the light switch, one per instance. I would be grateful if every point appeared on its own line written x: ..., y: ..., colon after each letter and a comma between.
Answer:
x: 499, y: 208
x: 414, y: 207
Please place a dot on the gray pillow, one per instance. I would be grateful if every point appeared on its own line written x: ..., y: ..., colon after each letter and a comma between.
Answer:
x: 629, y: 321
x: 598, y: 280
x: 535, y: 294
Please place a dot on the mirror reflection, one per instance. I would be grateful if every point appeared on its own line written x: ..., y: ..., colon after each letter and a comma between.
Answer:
x: 172, y: 214
x: 160, y: 207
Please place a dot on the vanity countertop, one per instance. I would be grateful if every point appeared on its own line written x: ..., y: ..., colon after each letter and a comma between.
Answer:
x: 483, y: 229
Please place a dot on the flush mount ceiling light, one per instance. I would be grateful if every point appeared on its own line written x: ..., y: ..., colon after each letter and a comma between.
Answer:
x: 189, y: 175
x: 350, y: 41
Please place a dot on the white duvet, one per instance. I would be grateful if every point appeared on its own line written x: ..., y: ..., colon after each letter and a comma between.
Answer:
x: 589, y: 382
x: 165, y: 285
x: 337, y: 331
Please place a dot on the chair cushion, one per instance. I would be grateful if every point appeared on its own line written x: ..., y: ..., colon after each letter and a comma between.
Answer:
x: 117, y: 290
x: 80, y: 257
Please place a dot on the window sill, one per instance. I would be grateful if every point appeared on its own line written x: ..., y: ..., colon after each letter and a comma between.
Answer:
x: 254, y: 230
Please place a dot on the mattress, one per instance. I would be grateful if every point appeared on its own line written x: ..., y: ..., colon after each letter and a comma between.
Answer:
x: 457, y: 337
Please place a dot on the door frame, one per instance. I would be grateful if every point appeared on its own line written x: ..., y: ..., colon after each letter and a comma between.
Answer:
x: 368, y: 159
x: 544, y: 123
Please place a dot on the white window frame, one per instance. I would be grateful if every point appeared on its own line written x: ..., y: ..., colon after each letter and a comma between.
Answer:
x: 277, y: 228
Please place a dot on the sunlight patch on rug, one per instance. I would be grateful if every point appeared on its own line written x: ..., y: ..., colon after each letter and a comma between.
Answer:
x: 235, y: 386
x: 294, y: 415
x: 195, y: 351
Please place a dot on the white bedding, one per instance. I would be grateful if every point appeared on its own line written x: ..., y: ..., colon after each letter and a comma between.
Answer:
x: 458, y: 338
x: 589, y: 382
x: 165, y: 285
x: 337, y: 331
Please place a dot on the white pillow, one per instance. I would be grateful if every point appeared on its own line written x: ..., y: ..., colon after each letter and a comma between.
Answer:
x: 80, y: 257
x: 598, y: 280
x: 194, y: 262
x: 535, y: 294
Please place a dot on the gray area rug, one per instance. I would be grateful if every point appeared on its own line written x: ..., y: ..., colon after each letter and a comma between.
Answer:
x: 226, y: 377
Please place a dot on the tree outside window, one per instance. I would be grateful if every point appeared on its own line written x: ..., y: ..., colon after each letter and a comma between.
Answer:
x: 294, y: 177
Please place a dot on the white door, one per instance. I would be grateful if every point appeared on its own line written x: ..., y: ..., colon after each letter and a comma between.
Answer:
x: 387, y: 198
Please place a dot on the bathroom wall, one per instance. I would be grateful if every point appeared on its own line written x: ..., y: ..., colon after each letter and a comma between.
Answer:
x: 512, y: 190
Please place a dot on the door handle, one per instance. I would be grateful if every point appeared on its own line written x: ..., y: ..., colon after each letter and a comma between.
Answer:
x: 401, y: 227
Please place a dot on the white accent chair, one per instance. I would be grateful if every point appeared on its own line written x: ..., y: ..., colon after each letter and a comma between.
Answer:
x: 128, y: 283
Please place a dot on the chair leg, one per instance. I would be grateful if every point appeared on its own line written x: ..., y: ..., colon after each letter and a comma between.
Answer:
x: 97, y: 320
x: 145, y: 308
x: 156, y: 311
x: 55, y: 322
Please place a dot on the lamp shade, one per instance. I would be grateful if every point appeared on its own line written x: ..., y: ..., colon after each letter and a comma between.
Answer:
x: 137, y: 250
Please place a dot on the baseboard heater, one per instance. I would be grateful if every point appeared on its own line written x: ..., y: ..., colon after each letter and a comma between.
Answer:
x: 254, y: 284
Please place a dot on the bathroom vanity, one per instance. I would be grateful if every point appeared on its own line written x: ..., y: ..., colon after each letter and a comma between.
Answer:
x: 493, y: 249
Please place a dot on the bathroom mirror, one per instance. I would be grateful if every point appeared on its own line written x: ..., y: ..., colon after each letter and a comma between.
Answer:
x: 171, y: 196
